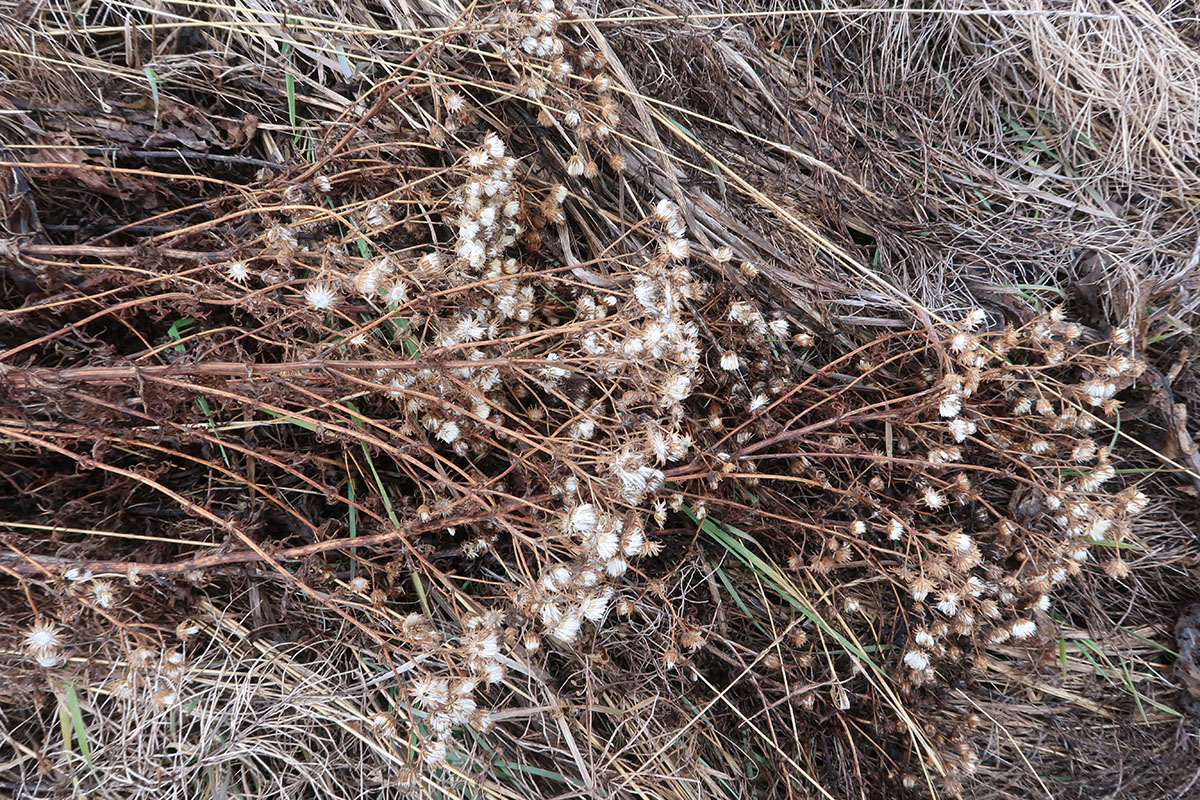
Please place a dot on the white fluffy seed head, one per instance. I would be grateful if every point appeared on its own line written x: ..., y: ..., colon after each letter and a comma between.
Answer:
x: 676, y: 249
x: 43, y: 637
x: 428, y: 692
x: 47, y: 659
x: 933, y: 498
x: 634, y: 541
x: 594, y: 606
x: 974, y: 319
x: 1023, y: 629
x: 103, y: 594
x: 950, y: 405
x: 433, y: 752
x: 448, y: 432
x: 666, y: 212
x: 494, y: 146
x: 396, y: 293
x: 961, y: 428
x: 320, y: 296
x: 581, y: 519
x: 959, y: 542
x: 605, y: 544
x: 1137, y: 503
x: 430, y: 263
x: 566, y: 630
x: 238, y: 271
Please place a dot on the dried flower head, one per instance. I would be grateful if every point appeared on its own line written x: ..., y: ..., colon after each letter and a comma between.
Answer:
x: 42, y: 637
x: 238, y: 271
x: 104, y: 594
x: 320, y: 296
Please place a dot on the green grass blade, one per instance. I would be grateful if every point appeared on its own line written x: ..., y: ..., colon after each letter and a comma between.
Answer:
x: 70, y: 704
x: 152, y: 79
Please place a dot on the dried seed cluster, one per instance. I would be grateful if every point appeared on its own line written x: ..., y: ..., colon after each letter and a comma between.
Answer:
x: 937, y: 488
x: 1028, y: 395
x: 991, y: 485
x: 515, y: 357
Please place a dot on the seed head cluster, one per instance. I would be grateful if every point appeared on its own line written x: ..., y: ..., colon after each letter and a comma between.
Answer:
x: 555, y: 408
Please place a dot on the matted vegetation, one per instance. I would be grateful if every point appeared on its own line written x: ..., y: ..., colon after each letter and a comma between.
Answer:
x: 544, y: 400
